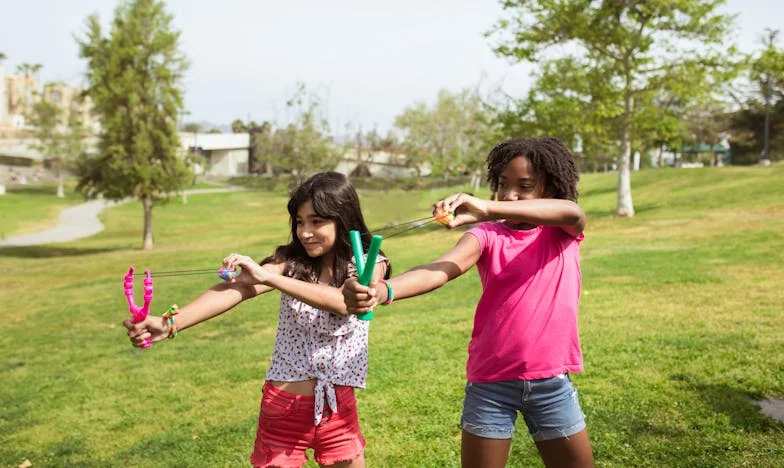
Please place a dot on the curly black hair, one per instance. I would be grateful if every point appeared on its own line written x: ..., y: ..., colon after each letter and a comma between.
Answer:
x: 548, y: 156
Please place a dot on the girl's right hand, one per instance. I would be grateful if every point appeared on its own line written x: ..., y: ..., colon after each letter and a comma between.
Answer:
x: 153, y: 327
x: 359, y: 299
x: 467, y: 209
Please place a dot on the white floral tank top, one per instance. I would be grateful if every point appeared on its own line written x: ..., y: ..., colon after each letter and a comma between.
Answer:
x: 315, y: 344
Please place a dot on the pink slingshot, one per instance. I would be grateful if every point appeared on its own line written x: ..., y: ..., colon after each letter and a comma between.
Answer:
x: 139, y: 313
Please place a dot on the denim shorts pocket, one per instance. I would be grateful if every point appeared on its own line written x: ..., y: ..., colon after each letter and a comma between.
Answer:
x: 552, y: 383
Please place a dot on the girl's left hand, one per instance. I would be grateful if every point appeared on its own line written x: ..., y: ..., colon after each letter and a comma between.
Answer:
x: 467, y: 209
x: 252, y: 272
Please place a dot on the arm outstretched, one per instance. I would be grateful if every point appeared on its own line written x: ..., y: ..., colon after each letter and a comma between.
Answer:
x: 565, y: 214
x: 321, y: 296
x: 359, y: 299
x: 211, y: 303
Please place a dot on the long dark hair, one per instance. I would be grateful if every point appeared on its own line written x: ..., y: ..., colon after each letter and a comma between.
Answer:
x: 334, y: 198
x: 549, y: 157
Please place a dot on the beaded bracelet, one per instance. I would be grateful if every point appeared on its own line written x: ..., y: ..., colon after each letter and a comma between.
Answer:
x: 390, y: 293
x: 169, y: 314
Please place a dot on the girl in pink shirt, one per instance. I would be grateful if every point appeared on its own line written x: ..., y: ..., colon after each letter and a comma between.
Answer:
x: 525, y: 341
x: 320, y: 352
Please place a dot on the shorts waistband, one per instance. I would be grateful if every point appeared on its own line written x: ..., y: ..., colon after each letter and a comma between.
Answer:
x: 341, y: 391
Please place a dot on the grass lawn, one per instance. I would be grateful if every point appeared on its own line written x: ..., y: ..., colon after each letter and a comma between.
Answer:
x: 681, y: 325
x: 33, y: 207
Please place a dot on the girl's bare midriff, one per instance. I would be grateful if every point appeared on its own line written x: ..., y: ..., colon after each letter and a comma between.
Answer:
x: 302, y: 387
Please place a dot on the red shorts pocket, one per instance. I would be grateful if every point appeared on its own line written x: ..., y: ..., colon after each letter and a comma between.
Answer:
x: 276, y: 407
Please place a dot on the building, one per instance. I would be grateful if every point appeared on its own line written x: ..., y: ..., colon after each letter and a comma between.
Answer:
x: 22, y: 93
x: 3, y: 98
x: 225, y: 154
x: 19, y: 93
x: 70, y: 99
x: 380, y: 164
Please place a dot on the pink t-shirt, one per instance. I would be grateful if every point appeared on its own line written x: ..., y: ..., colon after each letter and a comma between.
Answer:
x: 525, y: 326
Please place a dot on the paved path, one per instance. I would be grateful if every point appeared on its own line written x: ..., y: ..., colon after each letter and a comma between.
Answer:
x: 82, y: 221
x: 773, y: 407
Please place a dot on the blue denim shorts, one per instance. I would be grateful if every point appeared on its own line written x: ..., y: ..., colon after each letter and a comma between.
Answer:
x: 549, y: 407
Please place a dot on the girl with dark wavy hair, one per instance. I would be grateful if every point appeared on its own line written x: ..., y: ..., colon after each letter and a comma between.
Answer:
x: 320, y: 354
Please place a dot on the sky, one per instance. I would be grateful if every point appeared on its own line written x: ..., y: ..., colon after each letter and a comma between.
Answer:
x: 367, y: 60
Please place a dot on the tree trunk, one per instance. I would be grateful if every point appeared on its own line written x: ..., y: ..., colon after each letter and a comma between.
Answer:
x: 625, y: 205
x: 475, y: 180
x: 60, y: 189
x: 147, y: 202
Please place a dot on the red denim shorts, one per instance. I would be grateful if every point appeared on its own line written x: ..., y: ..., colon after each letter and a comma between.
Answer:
x: 286, y: 429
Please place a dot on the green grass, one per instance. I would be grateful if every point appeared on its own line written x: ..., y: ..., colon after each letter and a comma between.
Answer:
x: 207, y: 184
x: 34, y: 207
x: 681, y: 326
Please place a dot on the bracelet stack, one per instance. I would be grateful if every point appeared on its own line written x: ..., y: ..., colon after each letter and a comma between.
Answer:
x: 169, y: 314
x: 390, y: 293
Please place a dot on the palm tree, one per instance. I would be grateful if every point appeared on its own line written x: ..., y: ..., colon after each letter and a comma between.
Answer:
x: 28, y: 70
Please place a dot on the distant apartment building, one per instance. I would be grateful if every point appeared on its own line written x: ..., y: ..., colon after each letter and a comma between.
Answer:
x: 19, y: 93
x: 69, y: 99
x: 3, y: 97
x: 22, y: 93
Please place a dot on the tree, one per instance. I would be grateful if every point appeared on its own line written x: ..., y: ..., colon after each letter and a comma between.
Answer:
x: 44, y: 117
x: 134, y: 76
x: 365, y: 144
x: 638, y: 46
x: 191, y: 127
x: 760, y: 116
x: 61, y: 144
x: 238, y: 126
x: 304, y: 145
x: 2, y: 186
x: 563, y: 103
x: 767, y: 71
x: 707, y: 124
x: 746, y: 127
x: 662, y: 122
x: 451, y: 136
x: 28, y: 70
x: 260, y: 157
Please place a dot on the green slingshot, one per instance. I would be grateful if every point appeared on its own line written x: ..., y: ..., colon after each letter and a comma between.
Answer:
x: 365, y: 268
